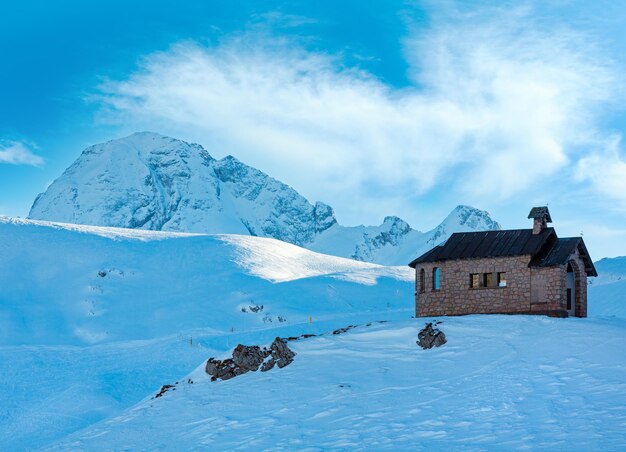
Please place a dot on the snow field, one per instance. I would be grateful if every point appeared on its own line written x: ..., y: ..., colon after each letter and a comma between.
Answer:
x: 373, y: 388
x: 93, y: 321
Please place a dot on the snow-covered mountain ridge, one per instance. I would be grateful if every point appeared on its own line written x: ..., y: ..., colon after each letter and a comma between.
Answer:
x: 149, y: 181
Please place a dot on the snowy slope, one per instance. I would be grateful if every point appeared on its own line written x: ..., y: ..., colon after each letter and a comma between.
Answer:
x: 149, y: 181
x: 67, y: 284
x: 610, y: 270
x: 607, y: 299
x: 607, y: 292
x: 500, y: 383
x: 92, y: 318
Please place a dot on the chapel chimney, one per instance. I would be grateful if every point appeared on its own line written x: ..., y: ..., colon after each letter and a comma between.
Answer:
x: 541, y: 218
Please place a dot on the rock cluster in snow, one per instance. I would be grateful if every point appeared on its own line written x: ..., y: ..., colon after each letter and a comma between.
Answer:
x: 250, y: 359
x: 150, y: 181
x: 430, y: 337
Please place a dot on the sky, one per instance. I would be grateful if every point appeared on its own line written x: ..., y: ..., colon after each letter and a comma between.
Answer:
x: 374, y: 107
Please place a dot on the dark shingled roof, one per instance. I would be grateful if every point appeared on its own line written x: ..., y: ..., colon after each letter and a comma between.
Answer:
x: 540, y: 212
x: 559, y: 252
x: 545, y: 248
x: 467, y: 245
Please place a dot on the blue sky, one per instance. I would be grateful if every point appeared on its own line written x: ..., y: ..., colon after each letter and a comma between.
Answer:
x: 377, y: 108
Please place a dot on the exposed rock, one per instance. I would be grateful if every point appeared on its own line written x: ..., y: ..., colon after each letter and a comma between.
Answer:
x: 343, y: 330
x: 430, y: 337
x: 250, y: 359
x: 302, y: 336
x: 163, y: 390
x: 224, y: 370
x: 282, y: 354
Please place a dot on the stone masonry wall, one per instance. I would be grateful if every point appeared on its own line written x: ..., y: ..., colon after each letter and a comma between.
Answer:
x: 548, y: 290
x: 580, y: 286
x: 455, y: 296
x: 529, y: 290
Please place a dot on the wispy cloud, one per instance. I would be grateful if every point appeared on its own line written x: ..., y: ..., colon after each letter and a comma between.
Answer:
x: 605, y: 169
x: 18, y: 153
x: 498, y: 104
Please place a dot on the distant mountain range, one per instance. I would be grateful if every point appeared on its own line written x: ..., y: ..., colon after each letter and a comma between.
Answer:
x: 154, y: 182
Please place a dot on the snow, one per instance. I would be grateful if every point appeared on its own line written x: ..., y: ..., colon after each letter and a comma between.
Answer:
x: 65, y: 284
x: 94, y: 320
x: 607, y: 292
x: 610, y: 270
x: 373, y: 388
x: 149, y: 181
x: 279, y: 262
x: 395, y: 242
x: 102, y: 231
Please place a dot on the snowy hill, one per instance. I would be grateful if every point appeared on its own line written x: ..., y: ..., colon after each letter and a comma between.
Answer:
x: 93, y: 318
x: 148, y: 181
x: 610, y: 270
x: 607, y: 292
x: 372, y: 388
x: 69, y: 284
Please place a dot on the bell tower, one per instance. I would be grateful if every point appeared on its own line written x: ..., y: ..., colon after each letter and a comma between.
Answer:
x: 541, y: 217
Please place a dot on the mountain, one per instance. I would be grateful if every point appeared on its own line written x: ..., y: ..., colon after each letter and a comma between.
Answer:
x: 395, y: 242
x: 149, y: 181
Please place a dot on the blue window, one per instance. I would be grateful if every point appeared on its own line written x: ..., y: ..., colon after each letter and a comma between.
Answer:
x: 436, y: 277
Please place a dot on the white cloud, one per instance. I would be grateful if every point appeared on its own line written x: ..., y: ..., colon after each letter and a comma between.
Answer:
x: 606, y: 170
x: 17, y: 153
x: 496, y: 106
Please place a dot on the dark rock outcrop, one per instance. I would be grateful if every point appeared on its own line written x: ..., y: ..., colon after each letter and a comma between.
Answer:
x: 249, y: 359
x: 163, y: 390
x: 344, y: 330
x: 281, y: 355
x: 430, y: 337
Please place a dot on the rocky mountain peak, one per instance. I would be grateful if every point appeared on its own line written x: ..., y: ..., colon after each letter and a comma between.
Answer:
x: 151, y: 181
x: 324, y: 217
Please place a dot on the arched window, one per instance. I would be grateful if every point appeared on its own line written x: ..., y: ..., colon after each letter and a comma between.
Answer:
x: 436, y: 276
x: 422, y: 280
